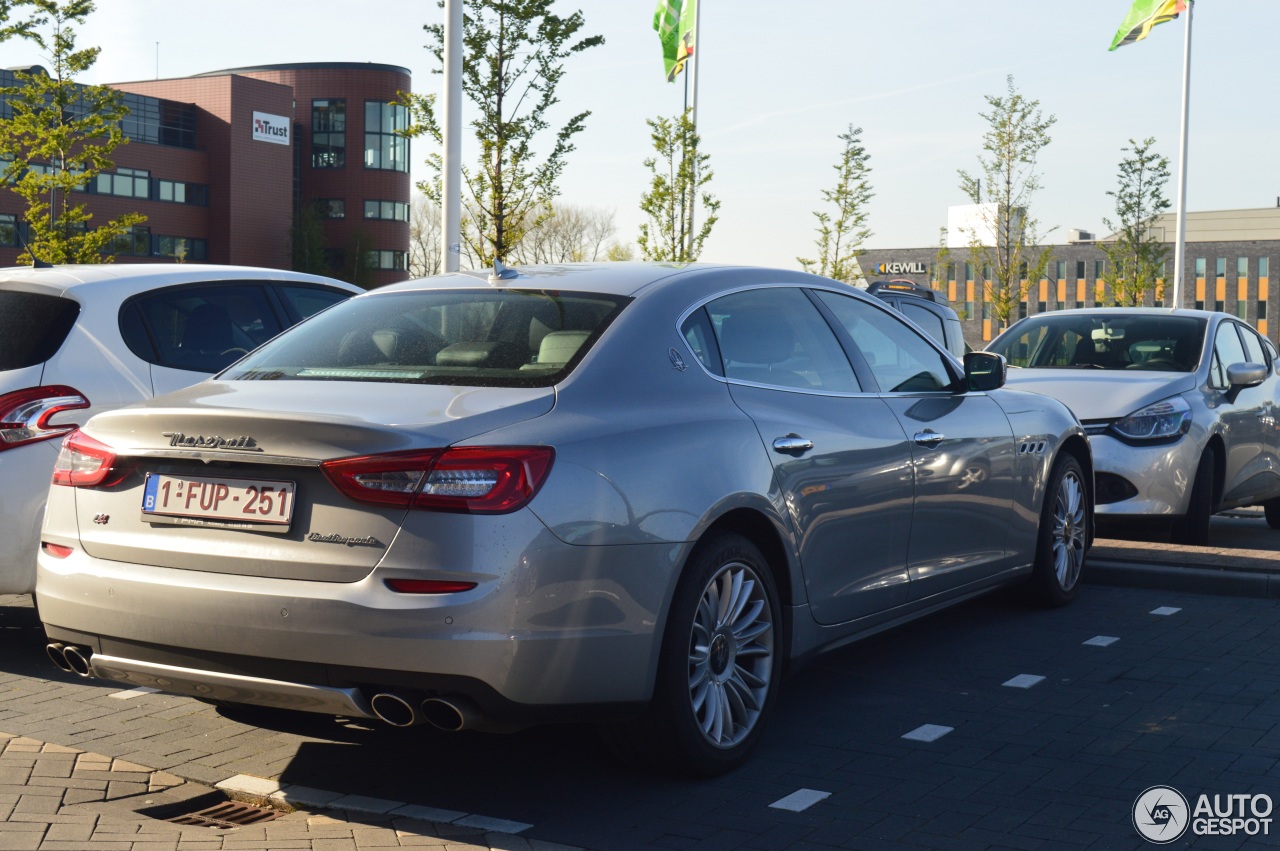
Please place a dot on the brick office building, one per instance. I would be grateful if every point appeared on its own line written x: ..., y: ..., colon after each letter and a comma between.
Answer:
x: 221, y: 163
x: 1227, y: 266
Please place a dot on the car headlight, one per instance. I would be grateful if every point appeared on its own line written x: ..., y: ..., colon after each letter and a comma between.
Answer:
x: 1161, y: 420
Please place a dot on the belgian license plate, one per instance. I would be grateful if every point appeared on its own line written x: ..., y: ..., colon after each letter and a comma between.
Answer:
x: 228, y: 503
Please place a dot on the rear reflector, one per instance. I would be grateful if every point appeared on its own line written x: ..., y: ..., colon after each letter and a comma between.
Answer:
x: 84, y: 463
x: 428, y: 586
x: 25, y: 414
x: 56, y: 550
x: 467, y: 480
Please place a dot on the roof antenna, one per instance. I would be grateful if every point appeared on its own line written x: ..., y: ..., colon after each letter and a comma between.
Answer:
x: 501, y: 272
x: 36, y: 262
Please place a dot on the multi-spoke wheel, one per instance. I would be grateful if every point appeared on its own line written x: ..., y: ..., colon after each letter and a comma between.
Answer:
x: 719, y: 667
x: 1064, y: 534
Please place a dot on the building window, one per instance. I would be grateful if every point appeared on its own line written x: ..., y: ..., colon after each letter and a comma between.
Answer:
x: 384, y: 147
x: 329, y: 133
x: 8, y: 230
x: 968, y: 271
x: 1041, y: 307
x: 1099, y: 269
x: 1220, y: 267
x: 1199, y: 267
x: 951, y: 271
x: 126, y: 182
x: 968, y: 310
x: 331, y: 208
x: 182, y: 247
x: 1062, y: 270
x: 1242, y: 267
x: 397, y: 211
x: 135, y: 242
x: 1262, y: 310
x: 178, y: 192
x: 384, y: 260
x: 1219, y: 305
x: 1242, y: 308
x: 1264, y: 267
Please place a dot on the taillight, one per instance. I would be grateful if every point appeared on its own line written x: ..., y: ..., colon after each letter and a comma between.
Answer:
x: 428, y: 586
x: 56, y: 550
x: 25, y: 414
x: 468, y: 480
x: 84, y: 463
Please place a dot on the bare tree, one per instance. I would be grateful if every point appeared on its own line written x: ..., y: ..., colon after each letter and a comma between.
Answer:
x: 568, y: 234
x: 425, y: 250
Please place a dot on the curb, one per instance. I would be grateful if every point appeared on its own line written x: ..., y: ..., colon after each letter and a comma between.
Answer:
x: 1199, y: 580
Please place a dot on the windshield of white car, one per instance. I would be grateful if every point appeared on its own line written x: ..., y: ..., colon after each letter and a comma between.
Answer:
x: 489, y: 338
x: 1106, y: 342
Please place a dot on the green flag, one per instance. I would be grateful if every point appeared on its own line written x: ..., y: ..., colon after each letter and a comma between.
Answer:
x: 674, y: 21
x: 1144, y: 15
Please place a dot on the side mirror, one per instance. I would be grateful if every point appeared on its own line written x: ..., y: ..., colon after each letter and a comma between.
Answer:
x: 1242, y: 375
x: 985, y: 371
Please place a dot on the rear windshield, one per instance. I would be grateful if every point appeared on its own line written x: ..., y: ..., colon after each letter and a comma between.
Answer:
x: 32, y: 327
x: 1107, y: 341
x: 496, y: 338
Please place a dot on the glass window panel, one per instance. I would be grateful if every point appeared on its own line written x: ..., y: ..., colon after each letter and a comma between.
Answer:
x: 1242, y: 267
x: 899, y: 356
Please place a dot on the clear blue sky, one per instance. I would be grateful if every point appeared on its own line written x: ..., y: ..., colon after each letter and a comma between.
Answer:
x: 780, y: 81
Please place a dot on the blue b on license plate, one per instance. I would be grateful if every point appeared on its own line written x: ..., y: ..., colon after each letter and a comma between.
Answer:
x: 206, y: 501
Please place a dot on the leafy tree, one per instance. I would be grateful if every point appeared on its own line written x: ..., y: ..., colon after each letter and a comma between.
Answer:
x: 1137, y: 255
x: 307, y: 239
x: 513, y: 60
x: 840, y: 238
x: 59, y: 137
x: 1016, y: 133
x: 679, y: 174
x: 20, y: 29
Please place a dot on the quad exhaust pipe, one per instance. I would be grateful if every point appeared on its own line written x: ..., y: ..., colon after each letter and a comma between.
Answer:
x: 70, y: 658
x: 450, y: 713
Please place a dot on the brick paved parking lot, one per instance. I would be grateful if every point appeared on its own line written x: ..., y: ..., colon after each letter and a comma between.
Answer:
x: 1032, y: 729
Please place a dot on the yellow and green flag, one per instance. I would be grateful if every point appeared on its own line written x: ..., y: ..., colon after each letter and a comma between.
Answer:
x: 674, y: 20
x: 1144, y: 15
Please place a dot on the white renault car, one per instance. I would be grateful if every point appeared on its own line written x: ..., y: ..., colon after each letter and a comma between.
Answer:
x: 78, y: 340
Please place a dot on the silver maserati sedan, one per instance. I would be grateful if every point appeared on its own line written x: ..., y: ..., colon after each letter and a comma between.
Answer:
x: 627, y: 493
x: 1180, y: 406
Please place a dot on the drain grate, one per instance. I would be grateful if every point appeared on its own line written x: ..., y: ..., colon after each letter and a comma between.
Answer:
x: 227, y: 814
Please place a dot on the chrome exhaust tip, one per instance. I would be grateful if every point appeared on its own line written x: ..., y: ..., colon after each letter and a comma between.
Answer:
x: 78, y: 660
x: 452, y: 713
x: 57, y: 655
x: 394, y: 710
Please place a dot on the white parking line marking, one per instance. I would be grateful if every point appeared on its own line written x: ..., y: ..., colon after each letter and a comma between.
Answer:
x: 1102, y: 641
x: 496, y: 825
x: 133, y: 692
x: 801, y: 800
x: 1024, y: 681
x: 1165, y: 610
x: 928, y: 733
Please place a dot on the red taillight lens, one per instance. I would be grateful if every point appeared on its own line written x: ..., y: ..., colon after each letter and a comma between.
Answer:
x: 428, y: 586
x: 468, y: 480
x: 56, y: 550
x: 25, y: 414
x: 84, y: 463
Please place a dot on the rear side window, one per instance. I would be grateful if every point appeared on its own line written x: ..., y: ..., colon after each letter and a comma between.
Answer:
x: 493, y: 338
x: 308, y: 301
x: 200, y: 328
x: 930, y: 322
x: 33, y: 327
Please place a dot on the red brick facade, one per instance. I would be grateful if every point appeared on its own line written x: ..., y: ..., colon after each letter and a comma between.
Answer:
x: 250, y: 181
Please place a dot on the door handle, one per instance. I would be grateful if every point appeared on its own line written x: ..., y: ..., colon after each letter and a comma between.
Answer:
x: 792, y: 443
x: 930, y: 439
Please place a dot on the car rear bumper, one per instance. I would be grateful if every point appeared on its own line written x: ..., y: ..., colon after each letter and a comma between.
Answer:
x: 577, y: 626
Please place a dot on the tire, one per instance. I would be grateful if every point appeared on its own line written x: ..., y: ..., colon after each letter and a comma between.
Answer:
x: 719, y: 668
x: 1194, y: 528
x: 1272, y: 509
x: 1063, y: 538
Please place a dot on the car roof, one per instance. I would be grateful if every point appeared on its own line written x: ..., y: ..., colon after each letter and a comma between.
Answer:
x: 621, y: 279
x: 126, y: 279
x: 1129, y: 311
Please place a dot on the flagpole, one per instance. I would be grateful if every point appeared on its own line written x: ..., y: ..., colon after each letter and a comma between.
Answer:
x: 451, y: 176
x: 693, y: 115
x: 1180, y: 246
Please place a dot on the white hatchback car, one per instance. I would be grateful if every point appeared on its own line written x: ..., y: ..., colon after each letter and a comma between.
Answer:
x: 77, y: 340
